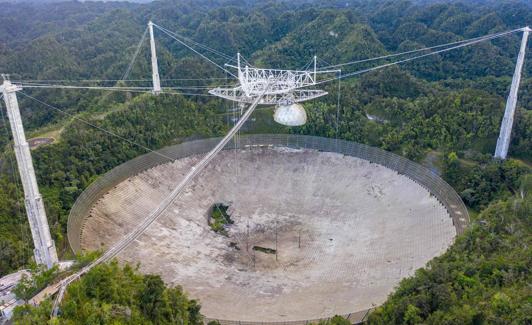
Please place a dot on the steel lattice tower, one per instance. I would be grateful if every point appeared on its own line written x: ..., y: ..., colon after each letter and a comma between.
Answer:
x: 44, y: 251
x: 503, y: 142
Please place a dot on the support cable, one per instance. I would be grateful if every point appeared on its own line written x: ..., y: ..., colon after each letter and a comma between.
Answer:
x: 130, y: 66
x: 412, y: 58
x: 305, y: 67
x: 122, y: 89
x: 18, y: 191
x: 137, y: 51
x: 126, y: 88
x: 338, y: 105
x: 246, y: 62
x: 323, y: 61
x: 481, y: 38
x: 471, y: 40
x: 97, y: 127
x: 185, y: 94
x: 193, y: 50
x: 111, y: 88
x: 205, y: 47
x: 109, y: 80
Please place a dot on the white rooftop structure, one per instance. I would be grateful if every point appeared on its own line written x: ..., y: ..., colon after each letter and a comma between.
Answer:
x: 8, y: 299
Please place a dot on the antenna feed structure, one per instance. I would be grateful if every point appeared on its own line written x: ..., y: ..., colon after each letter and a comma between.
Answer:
x: 285, y: 89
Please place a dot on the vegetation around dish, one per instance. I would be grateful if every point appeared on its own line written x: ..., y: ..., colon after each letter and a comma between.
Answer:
x: 112, y: 294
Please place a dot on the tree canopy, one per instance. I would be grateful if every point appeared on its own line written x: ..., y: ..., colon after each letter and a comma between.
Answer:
x: 112, y: 294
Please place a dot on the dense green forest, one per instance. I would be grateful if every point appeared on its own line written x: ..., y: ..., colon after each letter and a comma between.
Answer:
x: 443, y: 111
x: 111, y: 294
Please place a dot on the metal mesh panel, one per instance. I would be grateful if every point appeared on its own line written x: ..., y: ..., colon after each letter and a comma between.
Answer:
x: 421, y: 175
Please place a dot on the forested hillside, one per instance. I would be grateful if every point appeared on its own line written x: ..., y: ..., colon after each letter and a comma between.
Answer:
x: 112, y: 294
x: 443, y: 111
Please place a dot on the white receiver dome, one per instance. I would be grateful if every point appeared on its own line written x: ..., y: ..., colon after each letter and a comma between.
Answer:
x: 290, y: 115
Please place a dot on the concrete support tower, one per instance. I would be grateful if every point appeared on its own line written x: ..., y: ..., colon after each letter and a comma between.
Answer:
x: 44, y: 251
x: 154, y: 65
x: 503, y: 142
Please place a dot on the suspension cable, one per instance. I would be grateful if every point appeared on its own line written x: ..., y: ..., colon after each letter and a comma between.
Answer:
x: 73, y: 116
x: 414, y: 58
x: 307, y: 65
x: 485, y: 37
x: 462, y: 42
x: 327, y: 64
x: 166, y: 90
x: 18, y: 192
x: 125, y: 88
x: 185, y: 94
x: 137, y: 51
x: 192, y: 49
x: 246, y: 62
x: 110, y: 88
x: 338, y: 105
x: 110, y: 80
x: 205, y: 47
